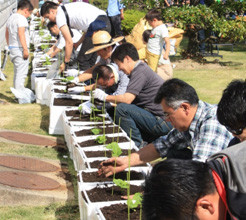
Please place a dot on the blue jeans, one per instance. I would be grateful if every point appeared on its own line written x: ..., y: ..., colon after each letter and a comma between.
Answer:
x: 144, y: 125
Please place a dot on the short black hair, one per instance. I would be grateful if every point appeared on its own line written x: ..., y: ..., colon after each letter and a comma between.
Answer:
x: 23, y: 4
x: 125, y: 49
x: 153, y: 13
x: 146, y: 35
x: 176, y: 90
x: 173, y: 188
x: 231, y: 110
x: 101, y: 71
x: 50, y: 25
x: 45, y: 9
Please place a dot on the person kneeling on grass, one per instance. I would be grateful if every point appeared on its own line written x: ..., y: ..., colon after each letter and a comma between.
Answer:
x: 197, y: 134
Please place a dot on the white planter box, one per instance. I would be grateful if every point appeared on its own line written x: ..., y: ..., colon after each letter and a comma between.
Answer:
x: 56, y: 119
x: 91, y: 210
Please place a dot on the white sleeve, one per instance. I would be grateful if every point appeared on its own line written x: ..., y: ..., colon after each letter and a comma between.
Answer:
x: 22, y: 22
x: 60, y: 18
x: 164, y: 31
x: 61, y: 42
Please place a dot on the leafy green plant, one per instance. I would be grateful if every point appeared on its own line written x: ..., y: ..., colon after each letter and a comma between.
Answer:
x: 48, y: 38
x: 44, y: 46
x: 46, y: 62
x: 96, y: 131
x: 41, y: 33
x: 101, y: 139
x: 67, y: 79
x: 135, y: 202
x: 116, y: 152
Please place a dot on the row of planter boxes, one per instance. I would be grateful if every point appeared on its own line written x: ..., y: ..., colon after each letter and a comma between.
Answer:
x: 96, y: 200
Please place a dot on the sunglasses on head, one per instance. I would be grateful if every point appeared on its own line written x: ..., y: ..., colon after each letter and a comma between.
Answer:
x: 235, y: 131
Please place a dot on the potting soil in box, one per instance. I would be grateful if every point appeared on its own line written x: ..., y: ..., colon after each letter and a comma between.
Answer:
x: 119, y: 211
x: 109, y: 140
x: 102, y: 193
x: 102, y: 153
x: 56, y: 109
x: 108, y: 130
x: 94, y: 177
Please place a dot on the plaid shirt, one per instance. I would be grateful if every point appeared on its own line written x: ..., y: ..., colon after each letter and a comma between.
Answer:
x: 205, y: 135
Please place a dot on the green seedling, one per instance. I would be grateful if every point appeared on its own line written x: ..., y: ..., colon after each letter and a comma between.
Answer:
x: 46, y: 62
x: 135, y: 202
x: 96, y: 131
x: 67, y: 79
x: 101, y: 139
x: 41, y: 33
x: 48, y: 38
x: 116, y: 152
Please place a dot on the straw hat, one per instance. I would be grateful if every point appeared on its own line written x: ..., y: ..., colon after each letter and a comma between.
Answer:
x: 102, y: 39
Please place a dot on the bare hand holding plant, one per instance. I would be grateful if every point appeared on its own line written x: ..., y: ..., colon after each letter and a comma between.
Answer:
x: 109, y: 169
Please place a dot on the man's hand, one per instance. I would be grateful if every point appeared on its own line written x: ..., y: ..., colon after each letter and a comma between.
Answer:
x: 99, y: 94
x: 76, y: 45
x: 76, y: 90
x: 85, y: 108
x: 25, y: 54
x: 165, y: 57
x: 62, y: 67
x: 107, y: 167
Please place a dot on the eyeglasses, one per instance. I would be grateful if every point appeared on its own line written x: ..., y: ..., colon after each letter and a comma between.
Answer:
x: 167, y: 115
x: 235, y: 131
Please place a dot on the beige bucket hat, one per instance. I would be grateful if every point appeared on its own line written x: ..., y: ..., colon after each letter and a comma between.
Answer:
x: 102, y: 39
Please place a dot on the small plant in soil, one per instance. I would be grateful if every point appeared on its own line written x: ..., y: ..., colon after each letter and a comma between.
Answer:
x: 135, y: 202
x: 101, y: 139
x: 67, y: 79
x: 48, y: 38
x: 41, y: 33
x: 44, y: 46
x: 46, y: 62
x: 116, y: 152
x: 96, y: 131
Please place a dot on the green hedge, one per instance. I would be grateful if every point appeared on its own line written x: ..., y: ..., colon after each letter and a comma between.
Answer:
x: 131, y: 18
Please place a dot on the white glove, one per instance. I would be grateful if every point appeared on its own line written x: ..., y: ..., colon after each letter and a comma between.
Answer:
x: 76, y: 89
x: 85, y: 108
x: 71, y: 72
x: 99, y: 94
x: 75, y: 80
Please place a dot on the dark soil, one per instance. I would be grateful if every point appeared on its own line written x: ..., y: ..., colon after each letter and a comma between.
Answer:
x: 48, y: 46
x: 66, y: 102
x: 120, y: 211
x: 99, y: 119
x: 102, y: 153
x: 51, y: 42
x: 96, y: 164
x: 76, y: 114
x: 89, y: 143
x: 105, y: 194
x: 93, y: 176
x: 65, y: 92
x: 108, y: 130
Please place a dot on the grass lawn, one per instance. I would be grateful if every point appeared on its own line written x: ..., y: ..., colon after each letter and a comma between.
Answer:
x: 209, y: 79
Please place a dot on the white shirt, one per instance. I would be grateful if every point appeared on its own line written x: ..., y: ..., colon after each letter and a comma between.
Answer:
x: 156, y: 41
x: 80, y: 14
x: 61, y: 41
x: 14, y: 22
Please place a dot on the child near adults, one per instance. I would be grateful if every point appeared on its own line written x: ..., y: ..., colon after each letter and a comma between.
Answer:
x: 164, y: 68
x: 17, y: 38
x: 158, y: 36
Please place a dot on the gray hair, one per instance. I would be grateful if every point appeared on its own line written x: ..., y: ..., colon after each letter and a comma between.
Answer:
x: 176, y: 103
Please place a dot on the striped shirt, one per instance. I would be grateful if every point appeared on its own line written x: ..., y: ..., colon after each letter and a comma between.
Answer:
x: 205, y: 135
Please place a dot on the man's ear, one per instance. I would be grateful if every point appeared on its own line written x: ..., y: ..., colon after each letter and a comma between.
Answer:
x: 205, y: 206
x: 186, y: 107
